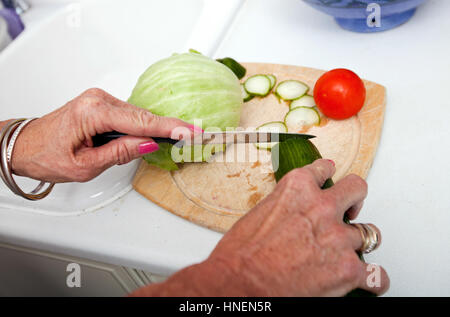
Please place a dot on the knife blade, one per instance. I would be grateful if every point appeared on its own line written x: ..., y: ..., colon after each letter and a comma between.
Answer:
x: 227, y: 137
x: 233, y: 137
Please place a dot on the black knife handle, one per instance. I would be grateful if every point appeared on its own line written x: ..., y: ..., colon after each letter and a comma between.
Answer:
x: 102, y: 139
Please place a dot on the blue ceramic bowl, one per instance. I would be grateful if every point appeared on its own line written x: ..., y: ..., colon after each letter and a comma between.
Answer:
x: 354, y: 15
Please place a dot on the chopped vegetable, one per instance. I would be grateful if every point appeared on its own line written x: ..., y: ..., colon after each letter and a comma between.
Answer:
x: 245, y: 95
x: 273, y: 80
x: 191, y: 87
x: 162, y: 157
x: 298, y: 118
x: 195, y: 153
x: 291, y: 89
x: 275, y: 126
x: 305, y: 101
x: 339, y: 94
x: 258, y: 85
x: 318, y: 111
x: 294, y: 153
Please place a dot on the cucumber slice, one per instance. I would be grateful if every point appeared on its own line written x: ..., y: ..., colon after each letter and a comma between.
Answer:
x: 273, y: 80
x: 275, y: 126
x: 245, y: 95
x: 301, y: 117
x: 305, y: 101
x: 318, y: 111
x: 257, y: 85
x: 291, y: 89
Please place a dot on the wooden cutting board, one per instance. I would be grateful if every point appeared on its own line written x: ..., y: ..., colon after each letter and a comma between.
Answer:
x: 218, y: 193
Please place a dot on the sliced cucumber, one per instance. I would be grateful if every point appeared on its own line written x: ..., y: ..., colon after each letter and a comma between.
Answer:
x: 318, y: 111
x: 275, y: 126
x: 298, y: 118
x: 291, y: 89
x: 257, y: 85
x: 305, y: 101
x: 245, y: 95
x: 273, y: 80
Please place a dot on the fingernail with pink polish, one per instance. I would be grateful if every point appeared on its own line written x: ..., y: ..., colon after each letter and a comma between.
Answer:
x: 148, y: 147
x: 195, y: 129
x: 332, y: 162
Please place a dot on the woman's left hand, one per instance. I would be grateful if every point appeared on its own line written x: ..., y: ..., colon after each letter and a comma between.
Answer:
x: 58, y: 147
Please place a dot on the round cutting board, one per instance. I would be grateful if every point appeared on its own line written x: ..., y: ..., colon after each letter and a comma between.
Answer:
x: 216, y: 194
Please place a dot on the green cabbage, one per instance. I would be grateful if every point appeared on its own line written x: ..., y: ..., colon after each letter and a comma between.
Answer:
x: 191, y: 87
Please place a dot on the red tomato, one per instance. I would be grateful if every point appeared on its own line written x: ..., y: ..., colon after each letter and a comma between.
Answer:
x: 339, y: 94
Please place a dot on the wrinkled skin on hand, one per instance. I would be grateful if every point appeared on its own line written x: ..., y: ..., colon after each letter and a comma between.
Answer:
x: 293, y: 243
x: 58, y: 146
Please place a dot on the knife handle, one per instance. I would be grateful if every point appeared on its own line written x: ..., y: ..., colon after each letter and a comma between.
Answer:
x: 102, y: 139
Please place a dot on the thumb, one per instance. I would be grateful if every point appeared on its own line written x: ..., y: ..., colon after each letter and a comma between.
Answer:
x: 119, y: 151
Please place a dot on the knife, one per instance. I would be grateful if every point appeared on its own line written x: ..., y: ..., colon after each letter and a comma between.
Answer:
x: 204, y: 138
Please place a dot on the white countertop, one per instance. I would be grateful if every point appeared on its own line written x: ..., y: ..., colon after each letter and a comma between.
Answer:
x: 408, y: 183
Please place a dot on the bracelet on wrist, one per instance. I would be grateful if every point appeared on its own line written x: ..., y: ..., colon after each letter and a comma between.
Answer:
x: 8, y: 137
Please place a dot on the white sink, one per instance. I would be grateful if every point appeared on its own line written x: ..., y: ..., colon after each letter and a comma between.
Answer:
x: 113, y: 43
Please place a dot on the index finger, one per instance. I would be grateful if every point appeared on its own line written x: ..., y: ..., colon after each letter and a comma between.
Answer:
x: 140, y: 122
x: 349, y: 192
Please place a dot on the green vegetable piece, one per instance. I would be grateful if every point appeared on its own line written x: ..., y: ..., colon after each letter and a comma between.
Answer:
x: 299, y: 117
x: 291, y: 89
x: 191, y: 50
x: 245, y: 95
x: 304, y: 101
x: 196, y: 153
x: 258, y: 85
x: 274, y: 126
x: 190, y: 87
x: 273, y: 80
x: 291, y: 154
x: 167, y: 156
x: 237, y: 68
x: 162, y: 158
x: 296, y: 153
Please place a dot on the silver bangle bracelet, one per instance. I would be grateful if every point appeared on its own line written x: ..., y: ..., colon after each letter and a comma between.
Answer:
x: 8, y: 138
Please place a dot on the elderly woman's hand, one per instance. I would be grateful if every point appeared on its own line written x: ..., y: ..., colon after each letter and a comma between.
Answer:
x: 294, y: 243
x: 58, y: 146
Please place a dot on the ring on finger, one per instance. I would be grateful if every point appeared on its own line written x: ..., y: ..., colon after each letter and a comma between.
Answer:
x: 369, y: 237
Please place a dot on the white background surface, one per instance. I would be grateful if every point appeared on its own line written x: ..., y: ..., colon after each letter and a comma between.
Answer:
x: 408, y: 184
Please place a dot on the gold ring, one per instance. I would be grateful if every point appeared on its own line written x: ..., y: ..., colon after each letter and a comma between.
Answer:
x: 369, y: 237
x: 373, y: 237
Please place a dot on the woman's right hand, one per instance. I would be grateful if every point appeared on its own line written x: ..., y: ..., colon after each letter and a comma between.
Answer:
x: 293, y: 243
